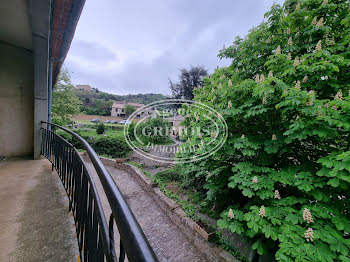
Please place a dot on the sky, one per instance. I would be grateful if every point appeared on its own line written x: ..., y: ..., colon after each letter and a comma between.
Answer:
x: 132, y: 47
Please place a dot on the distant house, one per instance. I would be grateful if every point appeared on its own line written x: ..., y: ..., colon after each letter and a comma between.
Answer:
x: 175, y: 122
x: 86, y: 88
x: 118, y: 109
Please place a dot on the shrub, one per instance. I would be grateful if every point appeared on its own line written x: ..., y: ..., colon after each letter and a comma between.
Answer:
x: 172, y: 174
x: 282, y: 177
x: 112, y: 146
x: 155, y: 130
x: 100, y: 129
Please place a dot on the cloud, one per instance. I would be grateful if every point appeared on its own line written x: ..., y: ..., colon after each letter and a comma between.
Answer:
x: 122, y: 47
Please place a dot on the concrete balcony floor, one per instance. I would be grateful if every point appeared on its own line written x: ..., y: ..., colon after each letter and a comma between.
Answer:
x: 35, y: 224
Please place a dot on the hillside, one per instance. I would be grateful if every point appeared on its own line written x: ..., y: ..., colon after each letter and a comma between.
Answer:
x: 97, y: 102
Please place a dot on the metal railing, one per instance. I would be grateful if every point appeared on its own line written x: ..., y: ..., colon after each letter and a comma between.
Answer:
x: 95, y: 237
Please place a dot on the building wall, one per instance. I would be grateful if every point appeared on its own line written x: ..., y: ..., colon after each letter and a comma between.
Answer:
x: 86, y: 88
x: 117, y: 113
x: 16, y: 101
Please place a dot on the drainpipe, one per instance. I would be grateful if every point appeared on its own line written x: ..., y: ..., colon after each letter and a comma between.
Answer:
x: 49, y: 117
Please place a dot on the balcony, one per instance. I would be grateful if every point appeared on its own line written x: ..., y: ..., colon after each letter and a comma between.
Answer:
x: 69, y: 222
x: 35, y: 224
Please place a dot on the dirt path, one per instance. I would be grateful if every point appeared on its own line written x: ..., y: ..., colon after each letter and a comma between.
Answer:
x: 166, y: 239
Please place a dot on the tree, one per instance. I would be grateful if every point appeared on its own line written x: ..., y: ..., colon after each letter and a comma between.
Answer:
x: 282, y: 178
x: 103, y: 107
x: 188, y: 80
x: 64, y: 100
x: 129, y: 109
x: 100, y: 129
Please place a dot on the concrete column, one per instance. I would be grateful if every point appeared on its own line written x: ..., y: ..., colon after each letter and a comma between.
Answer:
x: 40, y: 21
x: 41, y: 59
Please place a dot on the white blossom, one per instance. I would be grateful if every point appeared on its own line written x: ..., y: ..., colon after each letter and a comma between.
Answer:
x: 296, y: 61
x: 230, y: 214
x: 339, y: 95
x: 309, y: 235
x: 274, y: 137
x: 290, y: 41
x: 229, y: 104
x: 270, y: 74
x: 230, y: 82
x: 310, y: 102
x: 255, y: 180
x: 307, y: 216
x: 320, y: 22
x: 262, y: 211
x: 319, y: 46
x: 314, y: 21
x: 277, y: 194
x: 257, y: 78
x: 278, y: 50
x: 262, y: 78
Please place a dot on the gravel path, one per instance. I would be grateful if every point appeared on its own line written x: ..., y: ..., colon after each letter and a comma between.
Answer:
x: 166, y: 239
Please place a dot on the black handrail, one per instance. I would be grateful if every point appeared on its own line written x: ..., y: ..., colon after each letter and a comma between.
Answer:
x: 132, y: 238
x: 84, y: 202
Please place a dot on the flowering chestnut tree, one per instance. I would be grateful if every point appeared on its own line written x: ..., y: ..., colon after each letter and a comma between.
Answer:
x: 282, y: 178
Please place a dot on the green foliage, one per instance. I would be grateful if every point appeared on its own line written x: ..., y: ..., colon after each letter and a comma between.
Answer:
x: 154, y: 130
x: 171, y: 174
x: 100, y: 129
x: 286, y: 102
x: 129, y: 109
x: 64, y: 101
x: 98, y: 107
x: 114, y: 147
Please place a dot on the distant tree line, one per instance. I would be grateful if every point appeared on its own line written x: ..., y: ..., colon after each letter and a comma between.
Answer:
x: 99, y: 103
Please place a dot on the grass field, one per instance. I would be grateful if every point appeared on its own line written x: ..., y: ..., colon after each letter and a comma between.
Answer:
x: 88, y: 122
